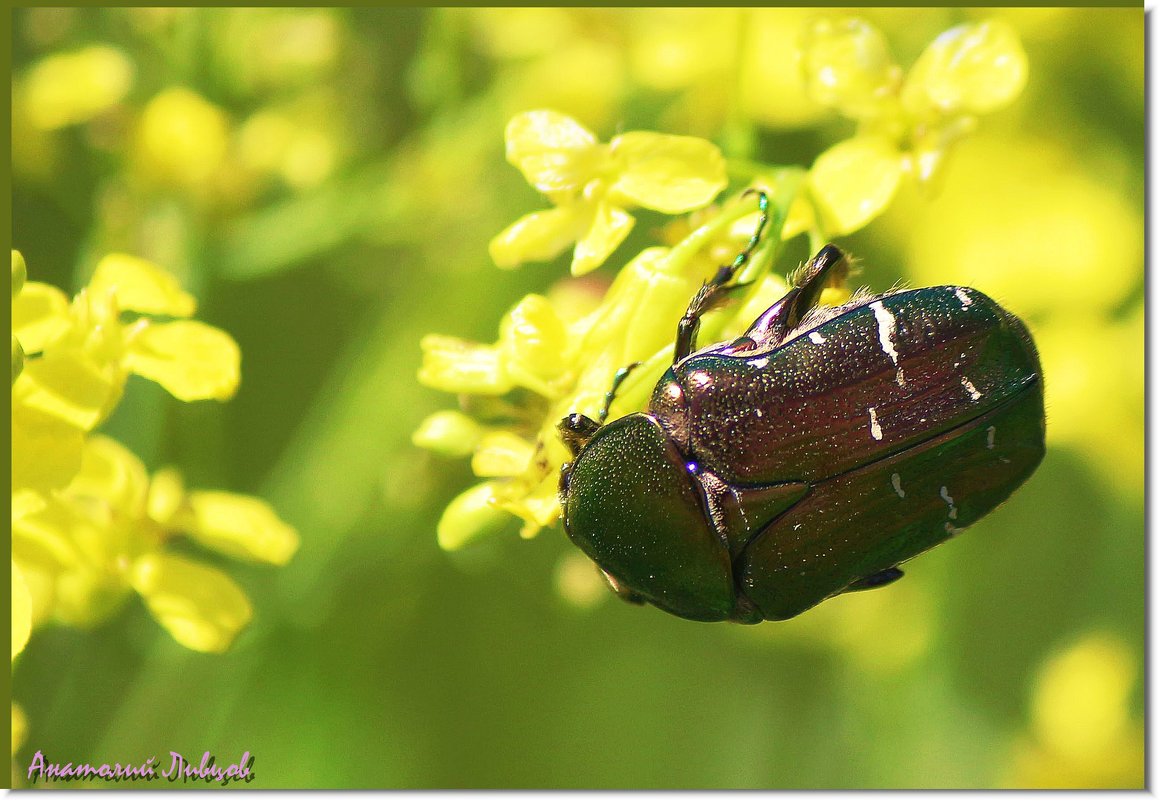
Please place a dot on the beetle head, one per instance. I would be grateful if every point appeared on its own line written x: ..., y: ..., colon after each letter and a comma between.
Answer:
x: 576, y: 430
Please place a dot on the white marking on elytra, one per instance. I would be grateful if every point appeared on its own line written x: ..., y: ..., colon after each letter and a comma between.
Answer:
x: 886, y: 322
x: 758, y: 412
x: 975, y: 393
x: 991, y: 437
x: 963, y: 297
x: 740, y: 505
x: 876, y: 429
x: 951, y: 510
x: 760, y: 364
x: 898, y: 485
x: 701, y: 378
x: 817, y: 338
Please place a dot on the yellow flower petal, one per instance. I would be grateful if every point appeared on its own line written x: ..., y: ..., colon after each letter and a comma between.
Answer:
x: 69, y: 554
x: 470, y: 516
x: 68, y: 88
x: 853, y: 182
x: 25, y: 501
x: 848, y: 66
x: 182, y: 138
x: 40, y: 316
x: 21, y: 611
x: 670, y: 174
x: 17, y: 358
x: 111, y: 473
x: 19, y: 272
x: 19, y: 728
x: 533, y: 340
x: 46, y: 452
x: 1080, y: 699
x: 974, y: 68
x: 799, y: 219
x: 609, y: 228
x: 68, y: 384
x: 540, y: 236
x: 200, y: 606
x: 456, y: 365
x: 449, y: 433
x: 552, y: 150
x: 141, y: 286
x: 192, y: 360
x: 502, y: 453
x: 240, y: 526
x: 166, y: 496
x: 578, y: 581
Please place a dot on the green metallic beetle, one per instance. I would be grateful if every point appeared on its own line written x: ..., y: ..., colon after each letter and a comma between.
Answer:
x: 812, y: 455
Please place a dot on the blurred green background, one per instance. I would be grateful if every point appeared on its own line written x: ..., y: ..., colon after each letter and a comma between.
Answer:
x: 326, y: 183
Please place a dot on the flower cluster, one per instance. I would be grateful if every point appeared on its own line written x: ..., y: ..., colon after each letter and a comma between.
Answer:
x: 553, y: 356
x: 556, y: 355
x: 906, y: 124
x: 592, y: 185
x: 90, y: 526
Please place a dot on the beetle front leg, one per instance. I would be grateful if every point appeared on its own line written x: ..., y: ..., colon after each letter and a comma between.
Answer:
x: 618, y: 379
x: 711, y: 291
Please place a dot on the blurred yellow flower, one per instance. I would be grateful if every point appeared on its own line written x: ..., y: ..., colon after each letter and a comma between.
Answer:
x: 69, y: 88
x: 879, y: 632
x: 578, y: 581
x: 182, y: 140
x: 88, y: 525
x: 1083, y: 734
x: 592, y: 185
x: 21, y: 611
x: 906, y: 125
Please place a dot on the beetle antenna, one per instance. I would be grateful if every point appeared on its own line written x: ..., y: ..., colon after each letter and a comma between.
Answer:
x: 618, y: 379
x: 710, y: 291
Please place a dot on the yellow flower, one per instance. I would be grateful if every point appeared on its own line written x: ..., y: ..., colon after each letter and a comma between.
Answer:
x: 1083, y: 734
x: 89, y: 526
x: 181, y: 139
x: 548, y: 363
x: 106, y: 535
x: 85, y: 351
x: 46, y: 449
x: 21, y: 611
x: 68, y: 88
x: 592, y: 185
x: 906, y: 125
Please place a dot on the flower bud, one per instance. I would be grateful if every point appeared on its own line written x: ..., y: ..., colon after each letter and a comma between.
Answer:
x: 848, y: 66
x: 974, y: 68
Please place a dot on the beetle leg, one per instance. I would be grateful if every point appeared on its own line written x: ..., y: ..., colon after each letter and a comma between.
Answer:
x: 875, y: 580
x: 618, y: 379
x: 828, y: 267
x: 710, y: 293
